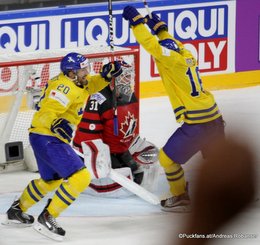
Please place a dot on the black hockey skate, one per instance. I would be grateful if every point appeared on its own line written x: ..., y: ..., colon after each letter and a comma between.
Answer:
x: 48, y: 226
x: 16, y: 217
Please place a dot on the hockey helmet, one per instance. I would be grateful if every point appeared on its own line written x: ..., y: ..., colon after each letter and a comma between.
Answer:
x: 73, y: 62
x: 170, y: 44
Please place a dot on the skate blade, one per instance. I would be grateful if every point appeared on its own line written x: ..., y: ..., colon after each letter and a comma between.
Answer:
x: 15, y: 223
x: 44, y: 231
x: 177, y: 209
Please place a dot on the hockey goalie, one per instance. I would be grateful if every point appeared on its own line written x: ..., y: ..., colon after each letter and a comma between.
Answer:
x: 130, y: 155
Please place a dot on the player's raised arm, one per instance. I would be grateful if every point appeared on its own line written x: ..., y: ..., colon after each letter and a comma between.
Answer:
x: 148, y: 40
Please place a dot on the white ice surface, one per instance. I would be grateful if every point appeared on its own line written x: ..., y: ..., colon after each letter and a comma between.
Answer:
x: 94, y: 221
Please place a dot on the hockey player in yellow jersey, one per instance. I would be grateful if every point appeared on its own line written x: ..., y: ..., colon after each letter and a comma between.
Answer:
x: 193, y: 106
x: 61, y: 170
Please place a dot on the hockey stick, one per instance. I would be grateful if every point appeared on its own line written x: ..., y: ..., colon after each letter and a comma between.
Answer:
x: 133, y: 187
x: 129, y: 184
x: 113, y: 82
x: 146, y: 7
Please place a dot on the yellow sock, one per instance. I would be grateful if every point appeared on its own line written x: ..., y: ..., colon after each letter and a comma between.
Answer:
x: 35, y: 191
x: 174, y: 174
x: 68, y: 191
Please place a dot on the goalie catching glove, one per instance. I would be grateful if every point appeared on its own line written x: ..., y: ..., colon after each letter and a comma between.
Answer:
x: 111, y: 69
x: 144, y: 152
x: 62, y: 128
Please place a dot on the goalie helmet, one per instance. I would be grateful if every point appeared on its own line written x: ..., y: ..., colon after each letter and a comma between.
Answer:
x: 170, y: 44
x: 125, y: 82
x: 73, y: 62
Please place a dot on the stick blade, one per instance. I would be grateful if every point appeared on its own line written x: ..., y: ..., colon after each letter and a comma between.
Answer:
x: 134, y: 188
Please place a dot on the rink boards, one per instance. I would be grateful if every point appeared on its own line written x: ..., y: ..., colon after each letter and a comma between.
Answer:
x: 213, y: 82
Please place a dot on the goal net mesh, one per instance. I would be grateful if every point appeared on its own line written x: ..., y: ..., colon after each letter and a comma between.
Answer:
x: 21, y: 74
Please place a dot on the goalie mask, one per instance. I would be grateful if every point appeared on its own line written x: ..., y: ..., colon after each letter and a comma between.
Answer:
x: 125, y: 82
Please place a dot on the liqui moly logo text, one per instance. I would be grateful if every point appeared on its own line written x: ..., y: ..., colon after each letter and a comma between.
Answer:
x: 204, y: 31
x: 24, y: 36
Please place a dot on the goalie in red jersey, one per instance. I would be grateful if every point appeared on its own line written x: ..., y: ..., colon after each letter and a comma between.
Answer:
x: 130, y: 155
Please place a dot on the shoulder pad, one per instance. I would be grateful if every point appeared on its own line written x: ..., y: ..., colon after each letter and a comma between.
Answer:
x: 100, y: 98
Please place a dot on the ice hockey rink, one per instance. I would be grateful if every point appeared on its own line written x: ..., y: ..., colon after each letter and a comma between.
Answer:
x: 132, y: 221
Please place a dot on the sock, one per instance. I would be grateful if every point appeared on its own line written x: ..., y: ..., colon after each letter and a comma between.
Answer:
x: 174, y: 174
x: 68, y: 192
x: 35, y: 191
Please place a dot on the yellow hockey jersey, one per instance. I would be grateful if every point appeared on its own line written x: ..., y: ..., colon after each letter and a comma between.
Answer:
x: 61, y: 98
x: 180, y: 76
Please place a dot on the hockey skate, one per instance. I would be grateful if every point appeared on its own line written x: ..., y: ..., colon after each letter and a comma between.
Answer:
x: 177, y: 204
x: 48, y: 226
x: 16, y: 217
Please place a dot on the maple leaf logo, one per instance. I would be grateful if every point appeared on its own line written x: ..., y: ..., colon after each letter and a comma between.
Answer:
x: 129, y: 125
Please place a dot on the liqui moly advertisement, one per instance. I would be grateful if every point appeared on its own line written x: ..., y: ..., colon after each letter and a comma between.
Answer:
x: 207, y: 29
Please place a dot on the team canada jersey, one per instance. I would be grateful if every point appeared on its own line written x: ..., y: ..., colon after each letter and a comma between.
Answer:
x: 180, y: 75
x: 97, y: 122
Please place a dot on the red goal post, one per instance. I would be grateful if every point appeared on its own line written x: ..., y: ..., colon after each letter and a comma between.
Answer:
x: 20, y: 74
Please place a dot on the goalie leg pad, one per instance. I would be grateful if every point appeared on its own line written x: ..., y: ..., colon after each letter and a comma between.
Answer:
x: 106, y: 187
x: 151, y: 177
x: 97, y: 158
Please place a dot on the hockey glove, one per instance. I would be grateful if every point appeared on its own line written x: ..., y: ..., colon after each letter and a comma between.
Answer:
x: 155, y: 23
x: 62, y: 128
x: 111, y: 69
x: 132, y: 15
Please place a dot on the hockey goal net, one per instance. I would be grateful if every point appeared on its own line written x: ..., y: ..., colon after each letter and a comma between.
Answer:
x: 21, y: 74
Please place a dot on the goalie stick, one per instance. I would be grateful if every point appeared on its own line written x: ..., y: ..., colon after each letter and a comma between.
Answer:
x: 129, y: 185
x: 133, y: 187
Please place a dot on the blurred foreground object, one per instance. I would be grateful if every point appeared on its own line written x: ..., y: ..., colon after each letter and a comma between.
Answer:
x: 225, y: 186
